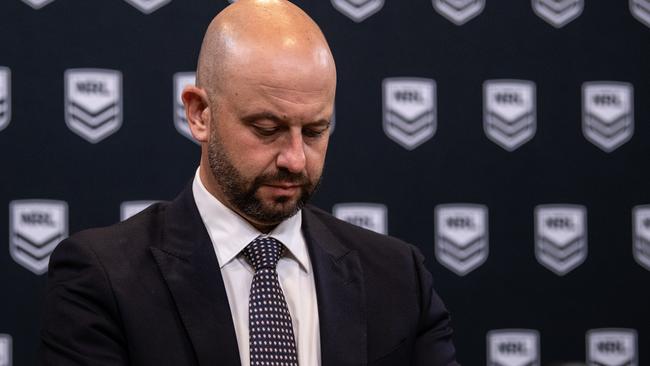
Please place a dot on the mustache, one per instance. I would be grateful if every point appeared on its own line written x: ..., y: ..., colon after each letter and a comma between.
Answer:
x: 282, y: 176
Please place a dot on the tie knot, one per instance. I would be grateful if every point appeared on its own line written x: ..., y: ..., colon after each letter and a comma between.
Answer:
x: 264, y: 252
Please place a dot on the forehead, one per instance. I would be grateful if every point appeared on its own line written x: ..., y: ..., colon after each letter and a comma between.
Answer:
x: 287, y: 83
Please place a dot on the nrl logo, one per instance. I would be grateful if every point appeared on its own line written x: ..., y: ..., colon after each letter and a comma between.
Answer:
x: 5, y: 350
x: 459, y: 12
x: 560, y: 237
x: 371, y: 216
x: 147, y: 6
x: 409, y: 110
x: 181, y: 80
x: 461, y: 236
x: 641, y: 11
x: 37, y: 4
x: 36, y: 227
x: 607, y: 113
x: 5, y: 97
x: 612, y: 347
x: 93, y: 102
x: 358, y: 10
x: 513, y: 347
x: 509, y: 112
x: 558, y: 13
x: 130, y: 208
x: 641, y: 235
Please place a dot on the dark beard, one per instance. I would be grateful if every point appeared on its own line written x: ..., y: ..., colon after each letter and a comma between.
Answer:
x: 242, y: 194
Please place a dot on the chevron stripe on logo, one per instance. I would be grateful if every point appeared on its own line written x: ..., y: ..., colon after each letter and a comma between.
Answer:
x: 560, y: 237
x: 461, y: 241
x: 5, y: 97
x: 640, y: 9
x: 358, y: 10
x: 93, y: 102
x: 36, y: 227
x: 409, y: 116
x: 509, y: 112
x: 459, y: 12
x: 558, y: 13
x: 607, y: 113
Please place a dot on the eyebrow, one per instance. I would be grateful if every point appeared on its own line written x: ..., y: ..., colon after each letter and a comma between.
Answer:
x: 263, y: 115
x: 275, y: 118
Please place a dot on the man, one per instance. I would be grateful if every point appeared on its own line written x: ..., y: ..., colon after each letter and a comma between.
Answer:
x: 237, y: 270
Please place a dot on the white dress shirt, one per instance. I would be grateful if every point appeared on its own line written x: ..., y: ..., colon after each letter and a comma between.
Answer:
x: 230, y: 234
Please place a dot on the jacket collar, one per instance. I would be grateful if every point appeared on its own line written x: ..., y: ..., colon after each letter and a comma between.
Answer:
x: 188, y: 264
x: 341, y: 294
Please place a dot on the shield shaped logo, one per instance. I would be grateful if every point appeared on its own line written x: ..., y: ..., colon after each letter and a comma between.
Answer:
x: 130, y: 208
x: 5, y: 350
x: 641, y: 235
x: 641, y: 11
x: 558, y: 13
x: 607, y: 113
x: 459, y: 12
x: 461, y: 236
x: 37, y: 4
x: 358, y: 10
x: 409, y: 110
x: 513, y: 347
x: 181, y: 80
x: 371, y: 216
x: 560, y: 237
x: 612, y: 347
x: 36, y: 227
x: 93, y: 102
x: 147, y: 6
x: 509, y: 112
x: 5, y: 97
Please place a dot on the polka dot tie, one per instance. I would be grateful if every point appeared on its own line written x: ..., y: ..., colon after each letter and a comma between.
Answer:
x: 270, y: 331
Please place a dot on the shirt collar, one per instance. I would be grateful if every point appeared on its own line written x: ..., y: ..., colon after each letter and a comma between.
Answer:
x: 230, y: 233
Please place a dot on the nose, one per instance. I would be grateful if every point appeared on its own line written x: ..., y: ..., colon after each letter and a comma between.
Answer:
x: 292, y: 153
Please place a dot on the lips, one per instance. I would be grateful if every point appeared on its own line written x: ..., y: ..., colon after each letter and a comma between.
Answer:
x: 285, y: 186
x: 283, y: 189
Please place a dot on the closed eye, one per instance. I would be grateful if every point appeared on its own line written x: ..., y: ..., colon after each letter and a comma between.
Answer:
x: 266, y: 131
x: 316, y: 131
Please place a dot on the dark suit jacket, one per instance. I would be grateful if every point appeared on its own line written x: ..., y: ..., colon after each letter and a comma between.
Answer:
x: 148, y: 291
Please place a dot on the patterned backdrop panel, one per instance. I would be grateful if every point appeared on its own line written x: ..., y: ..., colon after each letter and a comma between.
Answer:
x: 508, y: 140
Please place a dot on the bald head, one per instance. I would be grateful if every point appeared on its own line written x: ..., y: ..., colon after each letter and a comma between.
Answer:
x: 252, y: 38
x: 261, y: 109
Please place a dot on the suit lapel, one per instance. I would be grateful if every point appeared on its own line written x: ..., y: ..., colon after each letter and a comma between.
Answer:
x: 189, y: 265
x: 340, y: 293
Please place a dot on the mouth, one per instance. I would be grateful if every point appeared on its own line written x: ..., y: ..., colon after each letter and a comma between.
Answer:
x: 284, y: 185
x: 284, y: 189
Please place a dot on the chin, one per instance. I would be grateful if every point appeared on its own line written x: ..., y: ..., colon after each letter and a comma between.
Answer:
x: 281, y: 205
x: 274, y: 201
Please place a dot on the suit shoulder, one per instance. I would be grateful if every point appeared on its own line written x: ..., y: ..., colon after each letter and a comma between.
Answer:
x: 357, y: 237
x: 134, y: 233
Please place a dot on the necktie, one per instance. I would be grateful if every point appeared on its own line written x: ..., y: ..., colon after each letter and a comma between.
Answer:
x: 270, y: 331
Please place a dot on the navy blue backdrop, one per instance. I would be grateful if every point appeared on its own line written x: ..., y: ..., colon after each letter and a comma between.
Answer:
x: 496, y: 264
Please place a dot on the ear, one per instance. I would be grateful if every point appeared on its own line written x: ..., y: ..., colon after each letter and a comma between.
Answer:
x: 197, y: 112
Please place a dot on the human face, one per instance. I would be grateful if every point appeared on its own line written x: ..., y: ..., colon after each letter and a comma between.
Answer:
x: 267, y: 145
x: 242, y: 193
